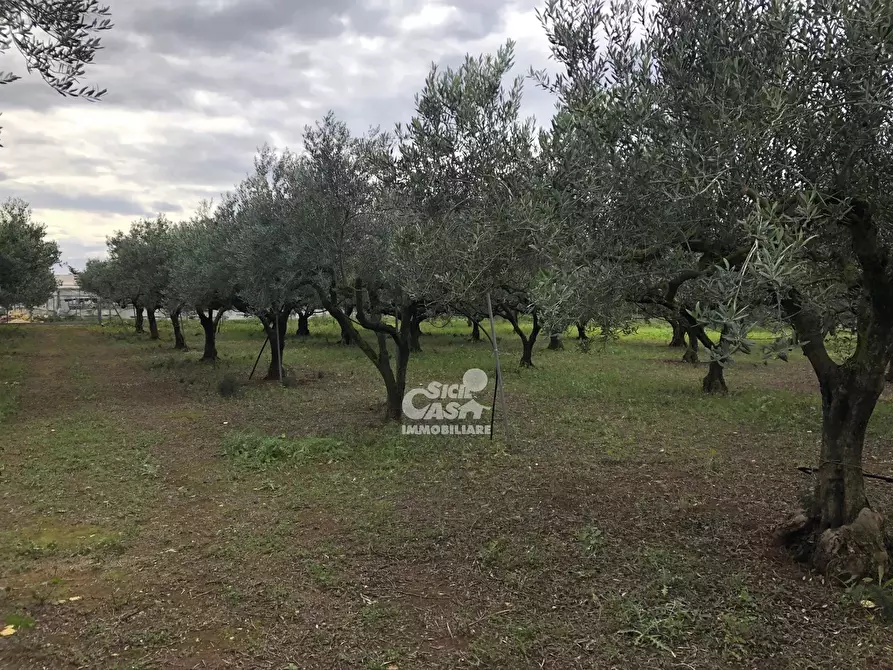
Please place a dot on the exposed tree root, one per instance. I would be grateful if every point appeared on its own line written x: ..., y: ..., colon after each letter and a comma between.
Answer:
x: 849, y: 552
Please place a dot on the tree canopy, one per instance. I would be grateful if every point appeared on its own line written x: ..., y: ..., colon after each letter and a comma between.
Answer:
x: 26, y: 257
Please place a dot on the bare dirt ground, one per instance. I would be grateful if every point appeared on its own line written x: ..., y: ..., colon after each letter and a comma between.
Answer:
x: 626, y: 524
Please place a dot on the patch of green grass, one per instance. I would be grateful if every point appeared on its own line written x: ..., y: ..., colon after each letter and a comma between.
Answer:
x: 13, y: 345
x: 254, y: 450
x: 19, y: 621
x: 55, y: 539
x: 591, y: 540
x: 509, y: 554
x: 662, y: 626
x: 88, y: 465
x: 322, y: 574
x: 377, y: 615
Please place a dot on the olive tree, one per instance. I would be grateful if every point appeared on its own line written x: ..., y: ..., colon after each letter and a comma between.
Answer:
x: 141, y: 256
x: 347, y: 225
x: 465, y: 163
x: 201, y: 275
x: 136, y: 270
x: 623, y: 186
x: 307, y: 305
x: 26, y: 257
x: 260, y: 220
x: 771, y: 123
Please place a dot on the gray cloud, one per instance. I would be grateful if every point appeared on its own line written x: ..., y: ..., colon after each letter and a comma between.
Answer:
x: 76, y: 253
x: 177, y: 26
x: 47, y: 198
x: 201, y: 159
x: 163, y: 207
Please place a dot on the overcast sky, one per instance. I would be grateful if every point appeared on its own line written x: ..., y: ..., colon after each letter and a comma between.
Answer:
x: 195, y: 87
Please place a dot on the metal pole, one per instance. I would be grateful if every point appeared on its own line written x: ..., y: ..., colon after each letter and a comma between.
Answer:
x: 493, y: 412
x: 499, y: 386
x: 259, y: 354
x: 278, y: 350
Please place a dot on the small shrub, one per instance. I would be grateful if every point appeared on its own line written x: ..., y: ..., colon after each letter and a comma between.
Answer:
x: 229, y: 387
x: 591, y: 539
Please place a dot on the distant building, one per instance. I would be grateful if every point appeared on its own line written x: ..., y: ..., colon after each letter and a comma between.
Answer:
x: 69, y: 299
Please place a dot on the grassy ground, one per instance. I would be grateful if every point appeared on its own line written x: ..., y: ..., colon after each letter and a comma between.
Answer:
x: 149, y: 522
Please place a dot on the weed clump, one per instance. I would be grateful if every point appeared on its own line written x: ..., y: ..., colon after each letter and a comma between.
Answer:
x: 229, y: 387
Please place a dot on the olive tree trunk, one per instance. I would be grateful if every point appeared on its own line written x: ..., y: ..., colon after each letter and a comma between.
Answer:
x: 276, y: 330
x: 348, y: 334
x: 475, y: 330
x: 678, y: 338
x: 527, y: 341
x: 179, y: 340
x: 415, y: 332
x: 210, y: 329
x: 848, y: 534
x: 691, y: 347
x: 394, y: 377
x: 153, y: 323
x: 849, y: 397
x: 138, y: 311
x: 303, y: 323
x: 714, y: 382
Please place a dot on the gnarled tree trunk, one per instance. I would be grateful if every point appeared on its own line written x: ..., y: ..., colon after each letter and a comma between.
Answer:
x: 210, y: 330
x: 394, y: 378
x: 153, y: 323
x: 678, y: 338
x: 347, y: 333
x: 555, y: 342
x: 179, y: 340
x: 849, y: 397
x: 138, y: 311
x: 303, y: 323
x: 527, y: 341
x: 581, y: 331
x: 276, y: 330
x: 848, y: 535
x: 475, y: 330
x: 714, y: 382
x: 415, y: 331
x: 691, y: 347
